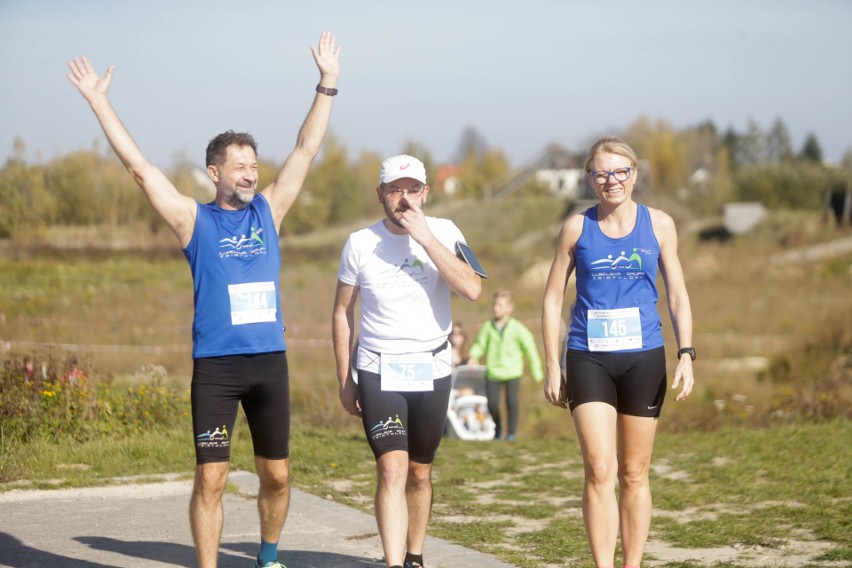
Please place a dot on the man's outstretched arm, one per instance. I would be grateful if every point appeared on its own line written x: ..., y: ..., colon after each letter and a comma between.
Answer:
x: 283, y: 191
x: 176, y: 209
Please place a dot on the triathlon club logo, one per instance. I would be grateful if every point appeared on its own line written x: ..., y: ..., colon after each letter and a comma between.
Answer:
x: 242, y: 246
x: 386, y: 428
x: 218, y: 438
x: 619, y: 266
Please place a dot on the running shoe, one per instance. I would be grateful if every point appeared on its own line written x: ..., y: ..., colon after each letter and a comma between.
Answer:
x: 275, y: 564
x: 412, y: 564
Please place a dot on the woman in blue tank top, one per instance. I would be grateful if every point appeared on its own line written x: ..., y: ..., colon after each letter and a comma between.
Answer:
x: 615, y: 371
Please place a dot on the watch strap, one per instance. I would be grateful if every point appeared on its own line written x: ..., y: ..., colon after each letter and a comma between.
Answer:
x: 326, y: 91
x: 688, y: 350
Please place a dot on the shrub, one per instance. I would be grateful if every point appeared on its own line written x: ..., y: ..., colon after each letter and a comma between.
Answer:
x: 58, y: 399
x: 816, y: 378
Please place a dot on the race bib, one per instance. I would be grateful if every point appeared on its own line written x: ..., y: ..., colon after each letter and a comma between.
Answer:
x: 253, y: 302
x: 614, y: 330
x: 407, y: 372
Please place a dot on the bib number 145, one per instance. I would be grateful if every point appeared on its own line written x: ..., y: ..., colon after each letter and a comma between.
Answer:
x: 614, y: 330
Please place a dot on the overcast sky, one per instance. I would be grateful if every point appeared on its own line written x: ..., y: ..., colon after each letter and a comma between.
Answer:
x: 523, y: 73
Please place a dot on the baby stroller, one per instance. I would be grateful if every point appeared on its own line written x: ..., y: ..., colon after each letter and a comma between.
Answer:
x: 467, y: 414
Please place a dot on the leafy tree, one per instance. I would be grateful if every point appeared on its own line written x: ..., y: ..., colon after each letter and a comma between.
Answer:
x: 779, y: 148
x: 811, y: 150
x: 331, y: 194
x: 798, y: 185
x: 481, y: 176
x: 733, y: 145
x: 703, y: 144
x: 25, y: 203
x: 366, y: 170
x: 846, y: 162
x: 666, y: 151
x: 753, y: 145
x: 472, y: 143
x: 91, y: 189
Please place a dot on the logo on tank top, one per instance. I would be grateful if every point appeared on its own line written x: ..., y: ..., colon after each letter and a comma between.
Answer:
x: 242, y: 246
x: 619, y: 266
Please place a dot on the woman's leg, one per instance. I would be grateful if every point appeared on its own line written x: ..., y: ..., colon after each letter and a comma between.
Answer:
x: 595, y: 423
x: 635, y: 444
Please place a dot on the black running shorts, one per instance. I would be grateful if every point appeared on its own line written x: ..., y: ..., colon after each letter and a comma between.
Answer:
x: 407, y: 421
x: 634, y: 382
x: 261, y: 383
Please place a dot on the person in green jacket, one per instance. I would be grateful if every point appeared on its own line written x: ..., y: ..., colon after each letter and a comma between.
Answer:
x: 504, y: 341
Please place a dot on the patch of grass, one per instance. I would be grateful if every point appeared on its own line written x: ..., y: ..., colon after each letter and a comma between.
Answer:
x: 563, y: 542
x: 767, y: 484
x: 726, y: 530
x: 471, y: 533
x: 836, y: 555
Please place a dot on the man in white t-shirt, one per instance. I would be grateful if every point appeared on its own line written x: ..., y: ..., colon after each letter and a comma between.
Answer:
x: 403, y: 268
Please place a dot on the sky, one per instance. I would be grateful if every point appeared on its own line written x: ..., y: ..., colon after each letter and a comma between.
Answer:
x: 523, y: 74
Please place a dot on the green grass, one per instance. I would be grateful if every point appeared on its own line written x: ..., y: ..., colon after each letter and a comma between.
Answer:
x: 521, y: 501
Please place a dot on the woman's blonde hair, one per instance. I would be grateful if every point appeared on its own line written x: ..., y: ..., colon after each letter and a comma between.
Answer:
x: 611, y: 145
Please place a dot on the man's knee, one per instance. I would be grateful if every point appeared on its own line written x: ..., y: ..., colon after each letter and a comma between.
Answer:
x: 419, y: 475
x: 210, y: 480
x: 392, y: 468
x: 274, y: 475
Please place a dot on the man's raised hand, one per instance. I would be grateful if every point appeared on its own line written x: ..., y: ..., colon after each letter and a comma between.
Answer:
x: 86, y: 80
x: 327, y: 56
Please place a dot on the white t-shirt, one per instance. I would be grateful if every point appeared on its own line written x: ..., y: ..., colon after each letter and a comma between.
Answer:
x: 405, y: 302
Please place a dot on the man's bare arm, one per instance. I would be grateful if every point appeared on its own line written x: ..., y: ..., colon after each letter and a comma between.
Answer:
x: 176, y: 209
x: 282, y: 193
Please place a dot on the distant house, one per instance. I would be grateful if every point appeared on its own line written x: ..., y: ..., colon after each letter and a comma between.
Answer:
x: 557, y: 169
x: 562, y: 183
x: 447, y: 179
x: 561, y: 172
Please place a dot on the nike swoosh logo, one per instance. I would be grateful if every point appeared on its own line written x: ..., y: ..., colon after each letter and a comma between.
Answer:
x: 653, y: 407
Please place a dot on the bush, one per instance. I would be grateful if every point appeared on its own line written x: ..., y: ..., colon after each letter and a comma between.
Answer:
x: 58, y: 399
x: 816, y: 378
x: 793, y: 185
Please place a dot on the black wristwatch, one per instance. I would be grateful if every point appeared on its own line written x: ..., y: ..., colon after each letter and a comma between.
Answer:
x: 690, y: 350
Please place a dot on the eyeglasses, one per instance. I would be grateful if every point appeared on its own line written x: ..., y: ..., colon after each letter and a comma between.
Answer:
x: 399, y: 191
x: 600, y: 177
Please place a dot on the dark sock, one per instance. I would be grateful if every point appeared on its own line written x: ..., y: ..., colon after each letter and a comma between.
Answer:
x: 414, y: 558
x: 268, y: 552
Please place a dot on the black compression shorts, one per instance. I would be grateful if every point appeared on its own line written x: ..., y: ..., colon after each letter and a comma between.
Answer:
x: 634, y: 382
x: 261, y: 383
x: 407, y: 421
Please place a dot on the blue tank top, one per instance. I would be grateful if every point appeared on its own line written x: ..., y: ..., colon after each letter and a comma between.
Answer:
x: 616, y: 306
x: 235, y: 263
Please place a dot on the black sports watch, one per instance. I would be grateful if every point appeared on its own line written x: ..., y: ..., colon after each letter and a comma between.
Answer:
x: 690, y: 350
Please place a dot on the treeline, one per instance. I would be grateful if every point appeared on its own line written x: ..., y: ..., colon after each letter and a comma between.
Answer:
x: 699, y: 165
x: 706, y: 167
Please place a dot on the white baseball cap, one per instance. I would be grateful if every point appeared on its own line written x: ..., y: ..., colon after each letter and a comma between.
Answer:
x: 402, y: 166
